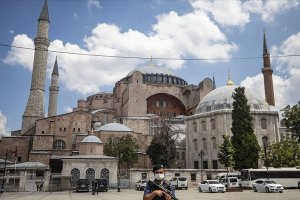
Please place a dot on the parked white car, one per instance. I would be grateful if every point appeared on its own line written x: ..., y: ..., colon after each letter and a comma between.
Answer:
x: 141, y: 184
x: 179, y: 182
x: 262, y: 185
x: 211, y: 186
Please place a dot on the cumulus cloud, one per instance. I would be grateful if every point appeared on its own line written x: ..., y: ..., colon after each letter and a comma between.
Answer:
x: 18, y: 56
x: 226, y: 13
x: 176, y: 36
x: 237, y: 13
x: 286, y: 86
x: 3, y: 130
x: 270, y: 8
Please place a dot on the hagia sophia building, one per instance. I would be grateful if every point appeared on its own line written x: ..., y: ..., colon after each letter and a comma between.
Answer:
x: 71, y: 144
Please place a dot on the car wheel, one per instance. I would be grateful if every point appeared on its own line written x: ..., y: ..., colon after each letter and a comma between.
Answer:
x: 267, y: 190
x: 281, y: 191
x: 254, y: 189
x: 199, y: 189
x: 209, y: 190
x: 299, y: 185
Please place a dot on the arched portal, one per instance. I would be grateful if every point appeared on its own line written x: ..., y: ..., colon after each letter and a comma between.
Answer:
x: 165, y: 105
x: 75, y: 175
x: 105, y: 174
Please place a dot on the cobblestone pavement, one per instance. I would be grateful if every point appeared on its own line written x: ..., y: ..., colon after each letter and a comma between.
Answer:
x: 126, y: 194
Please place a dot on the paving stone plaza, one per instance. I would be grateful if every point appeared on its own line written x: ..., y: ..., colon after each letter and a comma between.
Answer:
x: 129, y: 194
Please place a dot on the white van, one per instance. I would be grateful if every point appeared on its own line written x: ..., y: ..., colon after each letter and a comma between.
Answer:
x: 179, y: 182
x: 222, y: 177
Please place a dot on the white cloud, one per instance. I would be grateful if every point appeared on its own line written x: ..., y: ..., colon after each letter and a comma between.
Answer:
x: 68, y: 109
x: 75, y: 16
x: 196, y: 35
x: 269, y: 9
x: 23, y: 57
x: 93, y: 3
x: 11, y: 32
x: 226, y: 13
x: 3, y: 130
x: 286, y: 86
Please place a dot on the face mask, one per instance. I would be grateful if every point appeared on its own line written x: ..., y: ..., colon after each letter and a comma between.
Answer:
x: 159, y: 176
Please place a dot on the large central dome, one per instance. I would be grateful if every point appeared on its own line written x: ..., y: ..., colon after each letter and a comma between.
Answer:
x: 152, y: 69
x: 221, y: 99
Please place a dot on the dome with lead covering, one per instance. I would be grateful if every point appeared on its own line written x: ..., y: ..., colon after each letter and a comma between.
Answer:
x: 91, y: 139
x: 116, y: 127
x: 152, y: 69
x: 221, y: 99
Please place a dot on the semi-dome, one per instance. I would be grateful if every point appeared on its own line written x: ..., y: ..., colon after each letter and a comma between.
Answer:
x: 221, y: 99
x: 116, y: 127
x: 152, y: 69
x: 91, y: 139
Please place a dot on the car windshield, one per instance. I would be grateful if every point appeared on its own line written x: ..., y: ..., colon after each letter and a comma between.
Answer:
x: 182, y: 179
x: 270, y: 182
x: 144, y: 181
x: 213, y: 182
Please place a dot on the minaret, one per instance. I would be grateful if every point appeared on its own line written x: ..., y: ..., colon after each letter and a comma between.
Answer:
x: 35, y: 105
x: 214, y: 82
x: 267, y: 72
x: 53, y: 91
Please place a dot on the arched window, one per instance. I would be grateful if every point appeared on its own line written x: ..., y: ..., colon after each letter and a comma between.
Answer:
x: 203, y: 125
x: 75, y: 175
x: 204, y: 143
x: 214, y: 143
x: 195, y: 126
x: 90, y: 174
x: 283, y: 123
x: 195, y: 144
x: 59, y: 145
x: 105, y: 174
x: 263, y: 123
x: 213, y: 124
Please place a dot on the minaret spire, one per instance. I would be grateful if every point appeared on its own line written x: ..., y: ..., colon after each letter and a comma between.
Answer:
x: 35, y: 105
x: 267, y: 72
x: 214, y: 82
x: 44, y: 13
x: 53, y: 91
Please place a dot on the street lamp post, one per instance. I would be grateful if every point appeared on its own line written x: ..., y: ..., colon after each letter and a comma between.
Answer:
x: 266, y: 160
x: 119, y: 171
x: 201, y: 163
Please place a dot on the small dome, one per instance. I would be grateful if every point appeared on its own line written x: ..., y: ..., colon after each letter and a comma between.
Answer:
x: 116, y: 127
x: 152, y: 69
x: 221, y: 99
x: 91, y: 139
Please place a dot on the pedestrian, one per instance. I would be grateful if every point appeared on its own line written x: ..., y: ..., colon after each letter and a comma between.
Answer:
x: 159, y: 189
x: 94, y: 187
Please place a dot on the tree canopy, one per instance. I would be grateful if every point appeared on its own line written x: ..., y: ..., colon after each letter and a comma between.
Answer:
x: 162, y: 149
x: 285, y: 153
x: 244, y: 141
x: 225, y: 154
x: 292, y: 117
x: 125, y: 148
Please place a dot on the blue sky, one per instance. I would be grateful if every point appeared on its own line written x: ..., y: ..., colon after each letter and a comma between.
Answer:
x: 159, y: 28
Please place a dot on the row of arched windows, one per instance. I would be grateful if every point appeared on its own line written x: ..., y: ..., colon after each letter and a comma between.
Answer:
x: 89, y: 174
x: 263, y: 125
x: 203, y: 125
x: 204, y: 143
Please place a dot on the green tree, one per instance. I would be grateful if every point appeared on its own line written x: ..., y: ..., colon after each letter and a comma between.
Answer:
x: 162, y: 148
x: 246, y: 148
x: 125, y: 148
x: 292, y: 116
x: 285, y: 153
x: 225, y: 154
